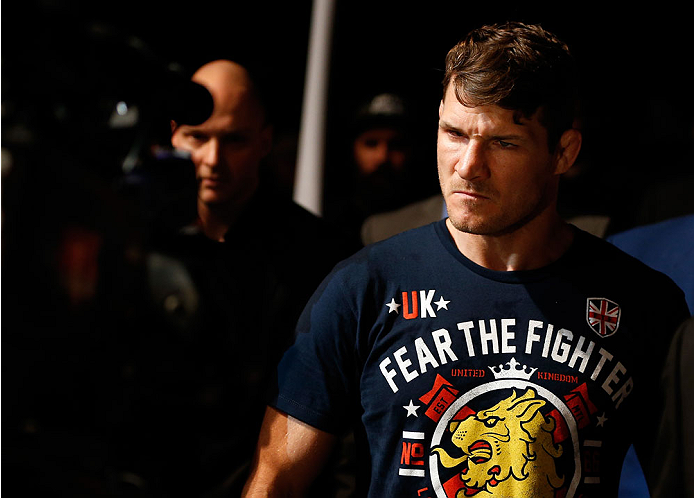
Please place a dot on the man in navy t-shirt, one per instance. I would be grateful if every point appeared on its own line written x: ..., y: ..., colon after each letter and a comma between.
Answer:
x: 497, y: 352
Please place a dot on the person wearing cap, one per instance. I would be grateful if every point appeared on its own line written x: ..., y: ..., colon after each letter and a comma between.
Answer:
x: 378, y: 175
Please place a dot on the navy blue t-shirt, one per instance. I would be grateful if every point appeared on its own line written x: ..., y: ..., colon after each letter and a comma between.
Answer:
x: 462, y: 381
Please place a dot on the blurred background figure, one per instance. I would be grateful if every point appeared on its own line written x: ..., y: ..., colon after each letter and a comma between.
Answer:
x: 673, y: 472
x: 227, y: 149
x: 667, y: 246
x: 382, y: 146
x: 227, y: 288
x: 138, y: 347
x: 378, y: 166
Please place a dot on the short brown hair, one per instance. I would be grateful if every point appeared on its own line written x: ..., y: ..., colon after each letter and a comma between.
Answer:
x: 516, y: 66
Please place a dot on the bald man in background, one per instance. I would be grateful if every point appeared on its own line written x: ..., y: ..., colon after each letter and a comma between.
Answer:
x: 228, y: 289
x: 228, y: 148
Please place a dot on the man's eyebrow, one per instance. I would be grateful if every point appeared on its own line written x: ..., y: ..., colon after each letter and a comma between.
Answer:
x: 508, y: 137
x: 448, y: 126
x: 502, y: 136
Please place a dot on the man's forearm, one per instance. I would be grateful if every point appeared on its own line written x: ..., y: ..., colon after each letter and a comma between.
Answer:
x: 290, y: 455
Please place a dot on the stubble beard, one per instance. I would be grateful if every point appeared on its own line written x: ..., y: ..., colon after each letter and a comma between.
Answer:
x: 468, y: 218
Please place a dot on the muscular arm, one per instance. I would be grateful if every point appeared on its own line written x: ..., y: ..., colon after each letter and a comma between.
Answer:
x: 289, y: 456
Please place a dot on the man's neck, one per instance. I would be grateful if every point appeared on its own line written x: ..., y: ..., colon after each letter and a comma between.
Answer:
x: 534, y: 245
x: 215, y: 220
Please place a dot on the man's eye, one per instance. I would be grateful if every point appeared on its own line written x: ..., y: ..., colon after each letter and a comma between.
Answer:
x: 506, y: 145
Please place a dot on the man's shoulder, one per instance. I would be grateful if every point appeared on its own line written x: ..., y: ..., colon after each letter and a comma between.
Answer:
x: 667, y: 246
x: 415, y: 239
x: 383, y: 225
x: 404, y: 247
x: 298, y: 226
x: 600, y: 252
x: 288, y: 207
x: 404, y: 254
x: 652, y: 237
x: 601, y: 259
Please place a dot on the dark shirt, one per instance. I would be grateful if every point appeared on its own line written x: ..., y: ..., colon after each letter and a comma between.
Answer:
x: 222, y: 315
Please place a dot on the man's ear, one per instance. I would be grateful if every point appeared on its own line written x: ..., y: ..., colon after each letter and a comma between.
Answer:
x: 567, y: 150
x: 266, y: 135
x: 174, y: 127
x: 440, y: 108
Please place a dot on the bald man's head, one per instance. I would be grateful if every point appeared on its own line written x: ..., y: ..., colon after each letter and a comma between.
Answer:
x: 230, y: 85
x: 228, y: 147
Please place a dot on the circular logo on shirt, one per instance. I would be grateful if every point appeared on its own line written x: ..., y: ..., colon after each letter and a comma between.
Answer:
x: 508, y: 437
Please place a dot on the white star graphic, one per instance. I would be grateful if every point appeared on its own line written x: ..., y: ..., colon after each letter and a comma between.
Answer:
x: 411, y: 409
x: 601, y: 420
x: 441, y: 303
x: 393, y: 306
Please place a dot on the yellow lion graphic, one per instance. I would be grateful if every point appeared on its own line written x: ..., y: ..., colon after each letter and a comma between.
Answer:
x: 508, y: 449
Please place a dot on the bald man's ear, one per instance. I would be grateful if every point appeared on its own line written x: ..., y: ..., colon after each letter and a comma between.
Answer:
x: 174, y: 126
x: 266, y: 136
x: 567, y: 150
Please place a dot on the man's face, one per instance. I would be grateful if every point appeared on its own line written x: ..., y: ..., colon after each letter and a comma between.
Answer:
x: 226, y: 150
x: 495, y: 174
x: 380, y: 148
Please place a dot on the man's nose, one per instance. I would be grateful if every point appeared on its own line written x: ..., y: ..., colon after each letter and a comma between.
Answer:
x: 382, y: 152
x: 209, y: 153
x: 472, y: 163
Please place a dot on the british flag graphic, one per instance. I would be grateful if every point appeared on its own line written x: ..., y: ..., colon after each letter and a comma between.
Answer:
x: 603, y: 316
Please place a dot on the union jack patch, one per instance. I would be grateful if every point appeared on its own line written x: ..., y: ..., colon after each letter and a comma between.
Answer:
x: 603, y: 316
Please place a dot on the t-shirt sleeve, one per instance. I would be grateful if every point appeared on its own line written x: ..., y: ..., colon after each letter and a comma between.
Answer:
x: 316, y: 377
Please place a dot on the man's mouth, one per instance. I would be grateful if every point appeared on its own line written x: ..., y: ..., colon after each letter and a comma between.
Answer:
x: 210, y: 182
x: 469, y: 193
x: 472, y: 195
